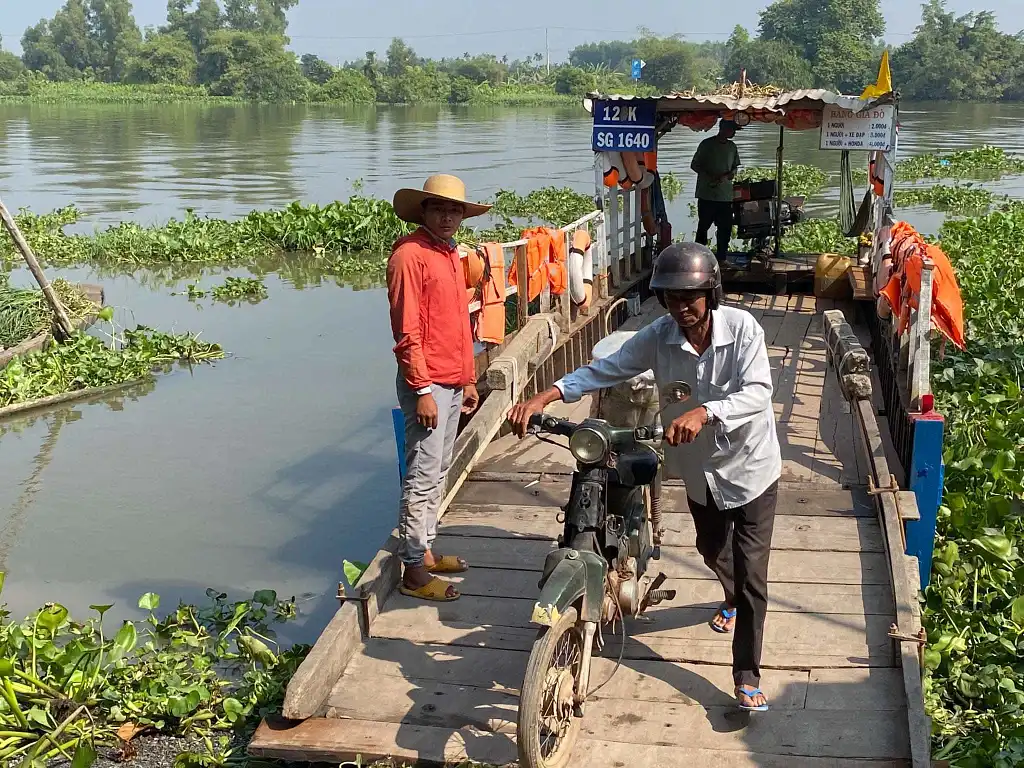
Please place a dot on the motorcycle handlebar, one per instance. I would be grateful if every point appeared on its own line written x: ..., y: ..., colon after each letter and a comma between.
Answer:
x: 541, y: 423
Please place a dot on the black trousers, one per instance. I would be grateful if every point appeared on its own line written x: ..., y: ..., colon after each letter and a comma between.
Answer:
x: 735, y: 544
x: 720, y: 214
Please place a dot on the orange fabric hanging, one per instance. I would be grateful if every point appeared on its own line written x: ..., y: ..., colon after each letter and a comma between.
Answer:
x: 902, y: 291
x: 474, y: 269
x: 490, y: 325
x: 545, y: 260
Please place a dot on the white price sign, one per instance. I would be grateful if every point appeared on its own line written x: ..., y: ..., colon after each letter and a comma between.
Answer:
x: 870, y: 130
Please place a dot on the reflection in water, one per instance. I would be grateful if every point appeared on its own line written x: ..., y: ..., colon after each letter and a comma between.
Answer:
x: 270, y: 467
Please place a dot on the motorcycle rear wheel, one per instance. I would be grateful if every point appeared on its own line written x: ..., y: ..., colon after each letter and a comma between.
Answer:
x: 547, y: 729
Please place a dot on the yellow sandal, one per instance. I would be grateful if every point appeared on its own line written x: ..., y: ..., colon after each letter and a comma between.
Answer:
x: 435, y: 590
x: 449, y: 564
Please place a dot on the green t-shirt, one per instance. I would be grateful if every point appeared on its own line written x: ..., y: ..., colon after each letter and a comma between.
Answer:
x: 715, y: 158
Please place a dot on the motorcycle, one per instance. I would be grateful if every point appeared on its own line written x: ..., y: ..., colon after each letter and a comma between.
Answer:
x: 597, y: 575
x: 755, y: 210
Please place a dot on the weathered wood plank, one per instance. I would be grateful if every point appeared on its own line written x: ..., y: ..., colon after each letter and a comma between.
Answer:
x: 905, y: 594
x: 828, y: 733
x: 706, y: 685
x: 869, y: 599
x: 507, y: 521
x: 799, y: 633
x: 856, y: 689
x: 316, y: 676
x: 328, y: 740
x: 522, y: 489
x: 682, y: 562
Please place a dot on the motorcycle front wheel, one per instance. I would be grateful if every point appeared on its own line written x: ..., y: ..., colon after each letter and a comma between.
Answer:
x: 547, y: 728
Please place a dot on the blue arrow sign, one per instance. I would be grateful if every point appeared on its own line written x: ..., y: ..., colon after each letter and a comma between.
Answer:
x: 638, y: 65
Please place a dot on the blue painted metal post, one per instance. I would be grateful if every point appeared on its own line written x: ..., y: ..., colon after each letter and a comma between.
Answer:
x: 398, y: 420
x: 925, y: 480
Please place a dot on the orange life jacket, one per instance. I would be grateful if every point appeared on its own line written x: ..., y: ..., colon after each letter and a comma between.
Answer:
x: 903, y: 290
x: 545, y: 261
x: 490, y: 324
x: 877, y: 181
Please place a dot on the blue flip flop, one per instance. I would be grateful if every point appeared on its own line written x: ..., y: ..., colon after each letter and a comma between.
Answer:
x: 725, y: 613
x: 750, y: 693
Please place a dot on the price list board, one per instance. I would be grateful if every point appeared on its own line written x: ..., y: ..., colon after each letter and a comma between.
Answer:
x: 870, y: 130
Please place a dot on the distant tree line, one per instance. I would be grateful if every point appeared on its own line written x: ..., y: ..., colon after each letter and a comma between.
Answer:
x: 239, y: 48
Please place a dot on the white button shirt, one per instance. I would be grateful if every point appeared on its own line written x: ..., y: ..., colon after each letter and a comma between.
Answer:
x: 737, y: 454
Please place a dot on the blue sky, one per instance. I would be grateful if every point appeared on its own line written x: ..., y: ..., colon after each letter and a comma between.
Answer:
x: 343, y: 29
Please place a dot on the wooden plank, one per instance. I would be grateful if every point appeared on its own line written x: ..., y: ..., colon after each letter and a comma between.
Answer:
x: 691, y: 684
x: 333, y: 741
x: 797, y: 633
x: 395, y: 624
x: 316, y: 676
x: 793, y: 329
x: 905, y: 593
x: 551, y: 492
x: 682, y: 562
x: 324, y: 740
x: 861, y: 688
x: 828, y: 733
x: 824, y: 534
x: 869, y: 599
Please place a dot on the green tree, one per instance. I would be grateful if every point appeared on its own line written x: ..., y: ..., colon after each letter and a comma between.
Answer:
x: 197, y: 25
x: 116, y: 37
x: 959, y: 58
x: 40, y: 54
x: 836, y: 36
x: 346, y: 85
x: 616, y: 55
x: 73, y: 37
x: 251, y: 65
x: 573, y: 81
x: 400, y: 57
x: 316, y: 69
x: 164, y: 58
x: 767, y: 62
x: 267, y: 17
x: 11, y: 67
x: 416, y: 85
x: 670, y: 62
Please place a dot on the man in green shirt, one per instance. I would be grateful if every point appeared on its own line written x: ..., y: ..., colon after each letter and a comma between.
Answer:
x: 715, y: 164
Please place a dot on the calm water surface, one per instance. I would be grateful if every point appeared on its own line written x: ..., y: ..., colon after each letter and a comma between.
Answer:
x: 268, y: 468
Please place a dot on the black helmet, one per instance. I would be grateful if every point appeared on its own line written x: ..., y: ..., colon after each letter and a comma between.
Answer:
x: 688, y: 267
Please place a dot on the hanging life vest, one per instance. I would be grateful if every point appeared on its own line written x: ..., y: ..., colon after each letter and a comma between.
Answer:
x: 903, y: 290
x: 484, y: 269
x: 545, y: 262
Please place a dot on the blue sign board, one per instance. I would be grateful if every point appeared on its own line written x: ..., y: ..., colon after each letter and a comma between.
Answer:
x: 637, y: 68
x: 624, y: 126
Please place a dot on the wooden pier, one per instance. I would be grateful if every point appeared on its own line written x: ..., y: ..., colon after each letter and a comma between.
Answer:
x: 438, y: 683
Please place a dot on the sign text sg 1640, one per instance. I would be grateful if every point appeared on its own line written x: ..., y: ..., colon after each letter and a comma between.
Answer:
x: 624, y: 126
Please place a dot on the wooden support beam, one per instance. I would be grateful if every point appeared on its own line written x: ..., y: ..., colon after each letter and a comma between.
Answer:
x: 319, y: 672
x: 847, y: 355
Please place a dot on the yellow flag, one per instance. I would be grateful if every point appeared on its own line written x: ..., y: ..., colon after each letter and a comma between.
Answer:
x: 884, y: 84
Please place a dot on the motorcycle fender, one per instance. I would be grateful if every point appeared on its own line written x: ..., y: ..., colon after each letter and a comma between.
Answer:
x: 569, y: 576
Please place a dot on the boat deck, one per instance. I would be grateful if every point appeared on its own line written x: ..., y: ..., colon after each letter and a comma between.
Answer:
x: 439, y: 682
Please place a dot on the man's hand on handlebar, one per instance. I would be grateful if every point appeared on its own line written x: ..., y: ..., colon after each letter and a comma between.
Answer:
x: 519, y: 416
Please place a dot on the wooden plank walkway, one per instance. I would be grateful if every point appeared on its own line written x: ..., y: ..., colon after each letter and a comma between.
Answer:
x: 439, y: 682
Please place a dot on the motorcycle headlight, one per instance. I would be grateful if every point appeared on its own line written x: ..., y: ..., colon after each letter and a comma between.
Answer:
x: 588, y: 446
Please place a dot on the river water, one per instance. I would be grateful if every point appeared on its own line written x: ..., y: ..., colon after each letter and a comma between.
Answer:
x: 266, y: 469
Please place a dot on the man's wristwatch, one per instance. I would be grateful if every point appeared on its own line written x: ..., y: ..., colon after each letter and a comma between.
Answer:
x: 423, y: 391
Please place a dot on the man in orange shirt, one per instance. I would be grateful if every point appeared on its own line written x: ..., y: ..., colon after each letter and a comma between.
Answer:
x: 436, y: 371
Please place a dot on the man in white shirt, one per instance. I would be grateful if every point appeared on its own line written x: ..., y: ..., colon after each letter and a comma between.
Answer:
x: 723, y: 440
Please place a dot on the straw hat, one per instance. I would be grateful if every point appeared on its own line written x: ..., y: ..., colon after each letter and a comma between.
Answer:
x: 408, y: 203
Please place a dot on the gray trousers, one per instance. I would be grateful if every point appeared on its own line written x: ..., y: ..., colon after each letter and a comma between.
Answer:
x: 428, y: 456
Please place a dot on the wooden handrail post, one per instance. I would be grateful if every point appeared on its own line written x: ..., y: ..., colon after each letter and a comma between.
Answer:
x: 51, y: 296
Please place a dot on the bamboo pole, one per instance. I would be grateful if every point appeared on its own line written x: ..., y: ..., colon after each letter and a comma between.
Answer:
x: 51, y: 296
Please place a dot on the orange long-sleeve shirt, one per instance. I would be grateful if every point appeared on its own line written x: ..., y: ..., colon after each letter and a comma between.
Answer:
x: 430, y: 312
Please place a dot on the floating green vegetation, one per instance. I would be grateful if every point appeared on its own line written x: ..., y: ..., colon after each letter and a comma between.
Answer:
x: 818, y: 236
x: 232, y: 291
x: 983, y: 162
x: 73, y: 688
x: 42, y: 91
x: 671, y: 186
x: 84, y: 362
x: 974, y: 609
x: 958, y: 200
x: 348, y: 239
x: 25, y: 314
x: 797, y: 180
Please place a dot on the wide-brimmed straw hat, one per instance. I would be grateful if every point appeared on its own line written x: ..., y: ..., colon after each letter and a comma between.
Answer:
x: 408, y: 203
